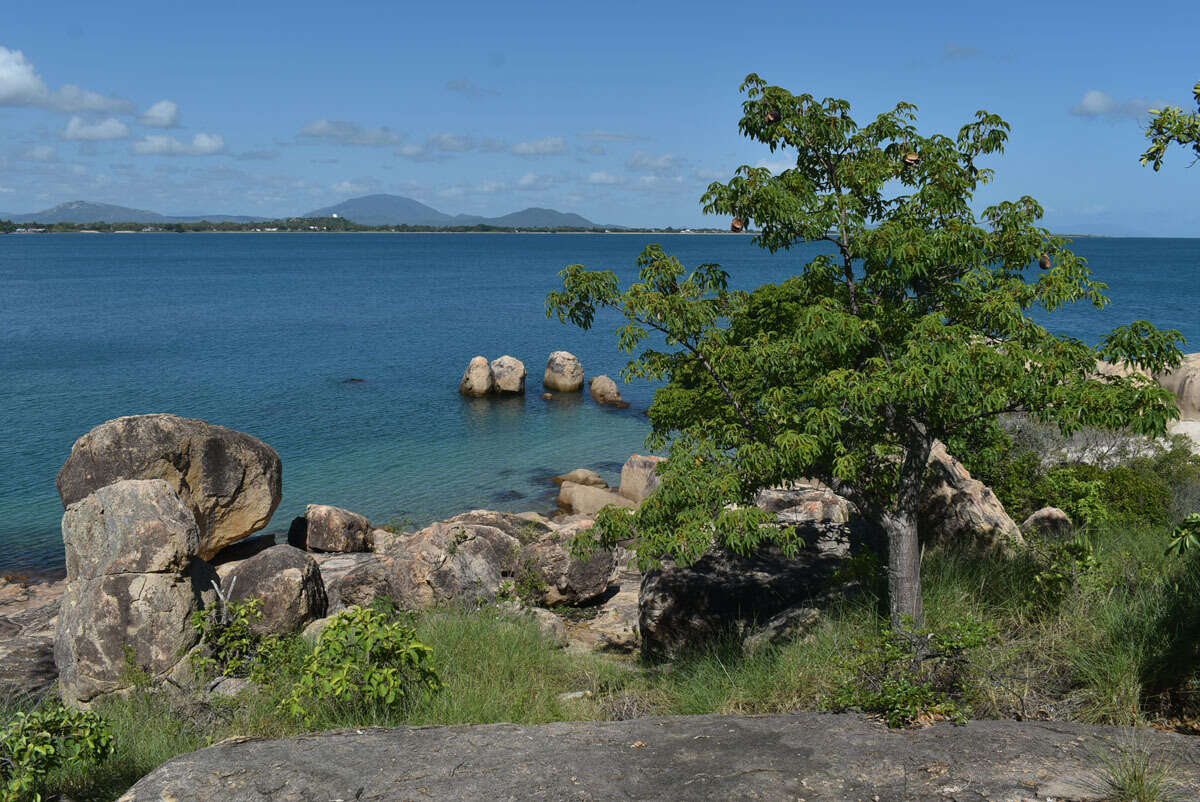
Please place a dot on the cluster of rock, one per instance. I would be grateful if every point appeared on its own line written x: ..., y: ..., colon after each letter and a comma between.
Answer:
x: 564, y: 374
x: 159, y: 509
x: 503, y: 376
x: 1183, y: 382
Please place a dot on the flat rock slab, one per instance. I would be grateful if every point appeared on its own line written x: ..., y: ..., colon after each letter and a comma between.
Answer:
x: 806, y: 756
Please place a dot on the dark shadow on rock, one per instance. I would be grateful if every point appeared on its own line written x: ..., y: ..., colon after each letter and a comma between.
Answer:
x: 298, y: 533
x: 243, y: 549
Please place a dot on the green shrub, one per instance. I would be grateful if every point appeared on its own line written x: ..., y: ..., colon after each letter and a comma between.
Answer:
x: 910, y: 677
x: 229, y: 645
x: 365, y: 660
x: 33, y: 744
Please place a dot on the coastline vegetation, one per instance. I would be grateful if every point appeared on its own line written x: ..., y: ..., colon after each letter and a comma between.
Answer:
x: 310, y: 225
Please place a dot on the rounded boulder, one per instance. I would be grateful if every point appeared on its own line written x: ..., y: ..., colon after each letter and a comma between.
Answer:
x: 564, y: 373
x: 288, y: 584
x: 605, y: 391
x: 477, y: 380
x: 232, y: 482
x: 508, y: 374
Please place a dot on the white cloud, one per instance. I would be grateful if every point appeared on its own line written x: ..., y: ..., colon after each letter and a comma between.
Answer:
x: 44, y: 154
x: 163, y: 114
x: 163, y: 145
x: 112, y: 128
x: 603, y: 178
x: 550, y: 146
x: 20, y: 85
x: 644, y: 162
x: 1101, y: 104
x: 345, y: 132
x: 456, y: 143
x: 351, y: 187
x: 492, y: 187
x: 776, y: 166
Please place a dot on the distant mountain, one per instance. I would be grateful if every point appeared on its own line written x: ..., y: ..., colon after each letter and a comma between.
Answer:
x: 394, y: 210
x: 386, y: 210
x: 88, y: 212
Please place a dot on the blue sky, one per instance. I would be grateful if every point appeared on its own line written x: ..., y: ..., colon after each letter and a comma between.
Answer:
x: 622, y: 112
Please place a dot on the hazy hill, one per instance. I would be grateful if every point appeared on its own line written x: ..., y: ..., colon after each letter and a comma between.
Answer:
x: 395, y: 210
x: 88, y: 212
x: 386, y: 210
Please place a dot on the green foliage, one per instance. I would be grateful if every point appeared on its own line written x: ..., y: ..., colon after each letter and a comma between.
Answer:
x: 909, y: 676
x: 1186, y: 536
x: 914, y: 325
x: 1135, y: 773
x: 36, y: 743
x: 1172, y: 126
x: 229, y: 644
x: 362, y: 659
x: 1062, y: 565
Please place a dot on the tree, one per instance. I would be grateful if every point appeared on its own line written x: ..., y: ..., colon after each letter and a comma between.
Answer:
x: 1172, y: 125
x: 913, y: 326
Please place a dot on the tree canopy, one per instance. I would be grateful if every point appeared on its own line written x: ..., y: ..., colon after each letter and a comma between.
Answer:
x: 913, y: 326
x: 1172, y: 126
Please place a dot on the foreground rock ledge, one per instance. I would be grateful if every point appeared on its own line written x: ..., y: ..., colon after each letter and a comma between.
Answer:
x: 809, y: 756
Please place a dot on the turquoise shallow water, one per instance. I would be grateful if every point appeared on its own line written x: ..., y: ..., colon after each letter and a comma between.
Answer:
x: 260, y: 332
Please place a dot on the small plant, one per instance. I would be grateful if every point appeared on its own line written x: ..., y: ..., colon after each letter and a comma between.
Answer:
x: 36, y: 743
x: 529, y: 584
x: 227, y: 637
x: 912, y: 677
x: 362, y: 658
x: 1134, y: 773
x: 1062, y: 565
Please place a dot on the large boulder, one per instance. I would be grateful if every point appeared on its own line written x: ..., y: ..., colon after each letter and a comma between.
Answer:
x: 477, y: 379
x: 826, y: 521
x: 230, y: 481
x: 335, y: 529
x: 955, y: 508
x: 133, y: 582
x: 605, y: 392
x: 561, y: 578
x: 725, y: 595
x: 1048, y: 523
x: 456, y: 562
x: 639, y: 477
x: 564, y: 373
x: 508, y: 374
x: 588, y: 500
x: 288, y: 584
x: 1184, y: 382
x: 28, y: 616
x: 523, y: 528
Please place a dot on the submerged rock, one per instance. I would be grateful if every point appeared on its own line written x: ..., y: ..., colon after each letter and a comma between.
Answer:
x: 508, y: 374
x: 231, y: 482
x: 477, y: 380
x: 564, y: 373
x: 605, y: 392
x: 581, y: 476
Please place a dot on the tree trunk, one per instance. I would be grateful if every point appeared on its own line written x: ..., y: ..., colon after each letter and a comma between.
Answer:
x: 904, y: 547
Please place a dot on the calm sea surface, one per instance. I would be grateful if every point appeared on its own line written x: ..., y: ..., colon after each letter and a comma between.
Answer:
x: 261, y: 332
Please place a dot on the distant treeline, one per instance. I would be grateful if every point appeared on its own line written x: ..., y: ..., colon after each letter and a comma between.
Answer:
x: 301, y: 224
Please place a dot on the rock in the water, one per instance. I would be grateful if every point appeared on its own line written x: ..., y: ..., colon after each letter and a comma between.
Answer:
x: 956, y: 508
x: 588, y: 500
x: 1184, y: 382
x: 1049, y: 523
x: 508, y: 374
x: 477, y: 380
x: 639, y: 477
x: 229, y: 480
x: 564, y: 373
x: 288, y: 584
x: 798, y: 756
x: 723, y: 595
x: 334, y: 529
x: 562, y: 578
x: 581, y: 476
x: 132, y: 586
x: 604, y: 391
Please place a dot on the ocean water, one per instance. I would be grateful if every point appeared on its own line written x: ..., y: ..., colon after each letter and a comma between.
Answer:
x: 261, y: 332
